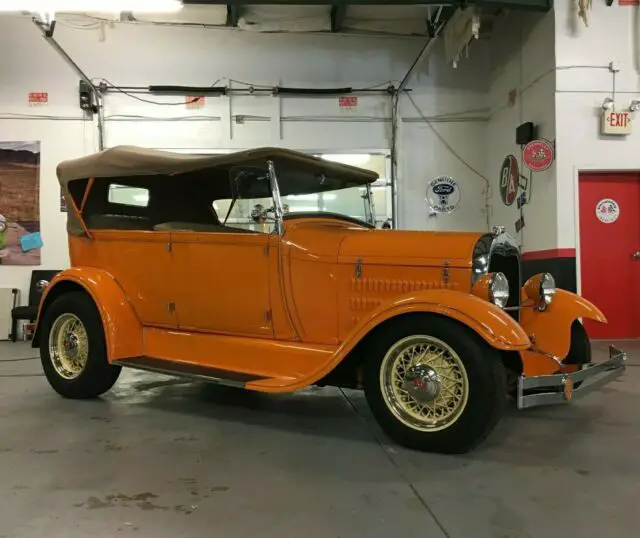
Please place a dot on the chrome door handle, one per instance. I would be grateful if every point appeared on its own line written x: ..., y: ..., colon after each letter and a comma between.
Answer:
x: 636, y: 255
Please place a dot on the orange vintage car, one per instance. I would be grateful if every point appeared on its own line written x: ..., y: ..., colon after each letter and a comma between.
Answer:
x: 191, y: 265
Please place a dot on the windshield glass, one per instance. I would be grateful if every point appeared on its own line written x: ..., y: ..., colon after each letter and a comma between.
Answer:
x: 257, y: 214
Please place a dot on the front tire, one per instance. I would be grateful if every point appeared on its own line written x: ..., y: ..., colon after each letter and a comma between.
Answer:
x: 580, y: 350
x: 73, y: 349
x: 433, y: 384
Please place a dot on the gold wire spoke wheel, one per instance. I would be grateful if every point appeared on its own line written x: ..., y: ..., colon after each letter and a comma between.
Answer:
x: 424, y: 383
x: 68, y: 346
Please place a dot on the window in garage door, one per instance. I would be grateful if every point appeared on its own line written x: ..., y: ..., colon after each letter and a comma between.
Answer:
x: 347, y: 203
x: 610, y: 251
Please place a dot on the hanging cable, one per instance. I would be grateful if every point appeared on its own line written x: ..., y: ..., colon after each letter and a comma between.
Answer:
x: 456, y: 155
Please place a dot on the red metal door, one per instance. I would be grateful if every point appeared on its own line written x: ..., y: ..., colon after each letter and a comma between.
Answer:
x: 609, y: 241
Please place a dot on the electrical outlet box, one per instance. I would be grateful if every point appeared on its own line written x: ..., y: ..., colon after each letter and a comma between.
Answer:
x: 86, y: 97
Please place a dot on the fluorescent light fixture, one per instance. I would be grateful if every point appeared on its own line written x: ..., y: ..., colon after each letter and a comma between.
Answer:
x: 84, y: 6
x: 355, y: 159
x: 141, y: 197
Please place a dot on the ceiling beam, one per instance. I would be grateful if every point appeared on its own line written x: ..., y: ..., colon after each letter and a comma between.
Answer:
x: 338, y: 12
x: 529, y: 5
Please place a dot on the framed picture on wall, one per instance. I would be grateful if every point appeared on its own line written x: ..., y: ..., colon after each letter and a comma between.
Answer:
x: 19, y: 202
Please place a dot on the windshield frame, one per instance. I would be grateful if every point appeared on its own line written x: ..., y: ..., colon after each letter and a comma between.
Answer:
x: 280, y: 216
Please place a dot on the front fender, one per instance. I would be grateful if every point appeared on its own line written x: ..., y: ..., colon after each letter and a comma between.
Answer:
x: 493, y: 324
x: 490, y: 322
x: 551, y: 329
x: 122, y: 328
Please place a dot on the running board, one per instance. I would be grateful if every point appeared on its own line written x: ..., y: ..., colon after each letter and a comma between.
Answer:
x: 193, y: 371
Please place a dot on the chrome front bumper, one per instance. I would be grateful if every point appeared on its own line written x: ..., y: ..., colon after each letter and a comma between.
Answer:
x: 561, y: 388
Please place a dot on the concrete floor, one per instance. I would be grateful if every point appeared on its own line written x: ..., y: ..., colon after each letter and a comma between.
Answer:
x: 163, y: 457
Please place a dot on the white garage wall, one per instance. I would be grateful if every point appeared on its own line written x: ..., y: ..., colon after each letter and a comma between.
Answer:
x: 523, y: 60
x: 425, y: 152
x: 583, y: 82
x: 142, y: 55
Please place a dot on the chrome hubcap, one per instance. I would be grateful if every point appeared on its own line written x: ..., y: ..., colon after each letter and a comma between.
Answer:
x: 422, y: 383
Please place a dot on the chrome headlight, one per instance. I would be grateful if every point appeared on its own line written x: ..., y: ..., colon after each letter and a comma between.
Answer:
x: 540, y: 289
x: 480, y: 267
x: 547, y: 288
x: 499, y: 289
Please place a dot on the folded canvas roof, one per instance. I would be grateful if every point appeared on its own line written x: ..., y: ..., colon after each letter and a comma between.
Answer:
x: 121, y: 161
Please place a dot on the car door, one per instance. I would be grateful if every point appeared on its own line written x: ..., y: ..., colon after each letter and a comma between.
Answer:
x: 125, y: 245
x: 221, y: 281
x: 140, y: 263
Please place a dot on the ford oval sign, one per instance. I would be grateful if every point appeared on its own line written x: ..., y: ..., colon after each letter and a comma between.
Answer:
x: 443, y: 194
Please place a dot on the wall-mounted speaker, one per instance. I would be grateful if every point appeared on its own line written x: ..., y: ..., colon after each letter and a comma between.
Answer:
x: 525, y: 133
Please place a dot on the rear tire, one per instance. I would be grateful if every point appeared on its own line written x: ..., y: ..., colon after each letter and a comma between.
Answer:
x: 433, y: 384
x: 73, y: 349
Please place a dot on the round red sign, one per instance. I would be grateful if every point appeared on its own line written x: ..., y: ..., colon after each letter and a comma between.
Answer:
x: 538, y: 155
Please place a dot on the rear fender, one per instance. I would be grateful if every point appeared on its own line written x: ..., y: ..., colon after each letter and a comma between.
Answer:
x: 551, y: 329
x: 122, y: 328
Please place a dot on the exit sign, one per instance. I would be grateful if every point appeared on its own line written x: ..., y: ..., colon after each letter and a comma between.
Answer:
x: 616, y: 123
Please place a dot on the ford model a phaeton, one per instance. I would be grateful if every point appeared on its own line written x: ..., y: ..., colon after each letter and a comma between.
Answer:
x: 190, y: 265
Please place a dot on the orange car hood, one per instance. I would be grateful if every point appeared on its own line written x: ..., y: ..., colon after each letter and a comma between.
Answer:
x: 345, y: 244
x: 408, y: 247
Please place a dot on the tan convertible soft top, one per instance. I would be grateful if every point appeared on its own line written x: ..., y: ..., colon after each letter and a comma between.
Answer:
x: 123, y: 161
x: 129, y: 161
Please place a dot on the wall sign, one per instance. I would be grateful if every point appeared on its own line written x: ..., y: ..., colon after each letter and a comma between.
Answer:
x: 38, y: 98
x: 519, y: 224
x: 348, y: 102
x: 443, y: 194
x: 607, y: 210
x: 538, y: 155
x: 509, y: 180
x: 616, y: 123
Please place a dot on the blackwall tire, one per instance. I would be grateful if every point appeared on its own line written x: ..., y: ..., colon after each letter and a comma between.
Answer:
x: 580, y: 350
x: 73, y: 349
x: 471, y: 377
